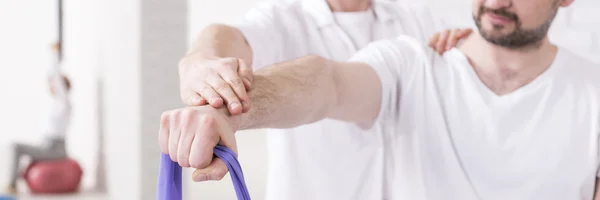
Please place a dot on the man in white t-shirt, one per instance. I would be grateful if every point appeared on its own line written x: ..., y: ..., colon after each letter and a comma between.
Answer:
x: 307, y: 162
x: 507, y: 115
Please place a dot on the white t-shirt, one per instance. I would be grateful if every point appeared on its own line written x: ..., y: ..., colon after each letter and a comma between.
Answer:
x: 328, y: 159
x: 451, y: 137
x: 358, y: 25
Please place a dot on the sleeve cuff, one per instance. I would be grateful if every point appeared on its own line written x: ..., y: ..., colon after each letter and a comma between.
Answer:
x: 386, y: 80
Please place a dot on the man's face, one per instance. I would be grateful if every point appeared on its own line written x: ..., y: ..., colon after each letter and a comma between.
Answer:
x: 515, y: 24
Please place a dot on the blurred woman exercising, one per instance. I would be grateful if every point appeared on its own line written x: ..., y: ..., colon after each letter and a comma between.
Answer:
x: 53, y: 146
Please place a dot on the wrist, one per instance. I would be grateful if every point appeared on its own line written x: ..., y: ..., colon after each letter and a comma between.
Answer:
x: 234, y: 121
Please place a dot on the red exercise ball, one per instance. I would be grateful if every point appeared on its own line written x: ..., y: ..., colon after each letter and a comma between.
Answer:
x: 57, y: 176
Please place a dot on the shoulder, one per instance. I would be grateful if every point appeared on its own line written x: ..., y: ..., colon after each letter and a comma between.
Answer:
x: 396, y: 60
x: 579, y: 69
x: 583, y: 66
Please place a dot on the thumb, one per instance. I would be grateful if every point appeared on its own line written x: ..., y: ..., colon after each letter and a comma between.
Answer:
x: 245, y: 71
x: 215, y: 171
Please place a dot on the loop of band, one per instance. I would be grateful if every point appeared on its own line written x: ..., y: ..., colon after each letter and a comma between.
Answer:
x: 169, y: 177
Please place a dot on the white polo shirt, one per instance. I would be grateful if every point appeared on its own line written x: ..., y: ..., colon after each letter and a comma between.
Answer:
x: 453, y: 138
x: 328, y: 159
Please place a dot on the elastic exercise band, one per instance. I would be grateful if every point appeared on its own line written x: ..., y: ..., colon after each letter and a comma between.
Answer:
x: 169, y: 176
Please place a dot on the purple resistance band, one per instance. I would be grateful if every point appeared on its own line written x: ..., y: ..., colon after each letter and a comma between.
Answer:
x: 169, y: 176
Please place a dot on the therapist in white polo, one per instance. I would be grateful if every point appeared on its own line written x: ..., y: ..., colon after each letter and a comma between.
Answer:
x: 312, y: 161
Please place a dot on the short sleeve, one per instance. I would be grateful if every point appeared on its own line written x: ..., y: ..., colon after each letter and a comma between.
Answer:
x: 263, y: 30
x: 395, y: 62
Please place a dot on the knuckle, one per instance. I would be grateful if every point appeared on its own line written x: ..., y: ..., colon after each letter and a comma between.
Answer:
x: 227, y: 62
x: 205, y: 90
x: 199, y: 163
x: 174, y: 116
x: 230, y: 63
x: 236, y: 82
x: 183, y: 160
x: 173, y: 157
x: 187, y: 113
x: 207, y: 120
x: 221, y: 87
x: 185, y: 120
x: 205, y: 87
x: 164, y: 117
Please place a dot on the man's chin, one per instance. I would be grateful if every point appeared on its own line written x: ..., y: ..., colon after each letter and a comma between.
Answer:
x: 496, y: 34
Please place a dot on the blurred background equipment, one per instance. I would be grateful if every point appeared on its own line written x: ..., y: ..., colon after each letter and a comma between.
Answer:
x: 53, y: 177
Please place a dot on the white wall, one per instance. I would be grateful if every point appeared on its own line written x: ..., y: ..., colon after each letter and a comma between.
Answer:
x: 118, y: 49
x: 28, y: 29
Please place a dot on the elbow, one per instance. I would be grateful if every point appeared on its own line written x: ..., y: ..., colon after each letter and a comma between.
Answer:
x: 327, y: 85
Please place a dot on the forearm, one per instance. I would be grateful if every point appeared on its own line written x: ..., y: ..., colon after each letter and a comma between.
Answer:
x: 290, y: 94
x: 220, y: 41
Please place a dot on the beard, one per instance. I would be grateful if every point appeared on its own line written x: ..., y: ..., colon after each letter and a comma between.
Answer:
x: 518, y: 38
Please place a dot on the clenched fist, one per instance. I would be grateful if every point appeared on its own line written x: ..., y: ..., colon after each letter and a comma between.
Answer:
x: 188, y: 136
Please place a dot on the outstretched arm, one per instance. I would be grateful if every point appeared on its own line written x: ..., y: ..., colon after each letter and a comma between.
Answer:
x: 294, y: 93
x: 310, y: 89
x: 285, y: 95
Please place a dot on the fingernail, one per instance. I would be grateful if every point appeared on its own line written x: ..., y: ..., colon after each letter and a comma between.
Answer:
x: 201, y: 177
x: 245, y: 104
x: 214, y: 100
x: 235, y: 105
x: 449, y: 47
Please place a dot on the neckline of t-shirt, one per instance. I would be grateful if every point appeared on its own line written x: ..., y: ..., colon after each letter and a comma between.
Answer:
x: 540, y: 80
x: 366, y: 16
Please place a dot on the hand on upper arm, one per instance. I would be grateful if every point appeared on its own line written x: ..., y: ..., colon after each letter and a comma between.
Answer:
x: 447, y: 39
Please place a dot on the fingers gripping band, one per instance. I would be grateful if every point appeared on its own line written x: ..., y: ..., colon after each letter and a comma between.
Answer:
x: 169, y: 177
